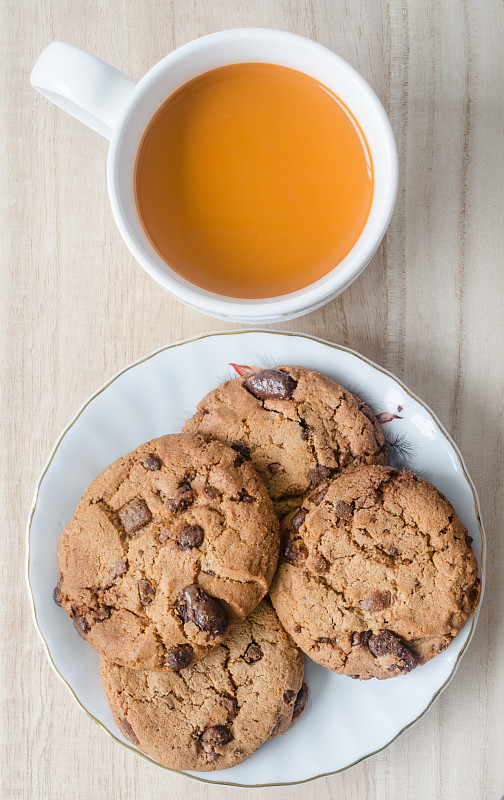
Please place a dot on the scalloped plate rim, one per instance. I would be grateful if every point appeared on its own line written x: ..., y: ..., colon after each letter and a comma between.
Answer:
x: 319, y: 340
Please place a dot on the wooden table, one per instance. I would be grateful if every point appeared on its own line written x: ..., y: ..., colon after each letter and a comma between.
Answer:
x: 76, y: 308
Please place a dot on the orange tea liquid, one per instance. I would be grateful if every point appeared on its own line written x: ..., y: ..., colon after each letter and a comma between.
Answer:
x: 253, y: 180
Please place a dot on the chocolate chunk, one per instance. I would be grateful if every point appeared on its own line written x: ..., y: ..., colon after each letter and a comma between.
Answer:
x: 289, y: 696
x: 300, y: 702
x: 80, y: 621
x: 195, y: 605
x: 361, y: 637
x: 387, y: 643
x: 319, y: 474
x: 163, y: 536
x: 473, y: 594
x: 319, y: 564
x: 242, y: 448
x: 179, y: 656
x: 244, y: 497
x: 307, y: 430
x: 146, y: 591
x: 152, y: 462
x: 182, y: 499
x: 190, y: 536
x: 376, y: 601
x: 216, y: 736
x: 253, y: 653
x: 57, y: 593
x: 368, y: 413
x: 393, y: 551
x: 100, y: 613
x: 343, y: 510
x: 128, y: 731
x: 468, y: 540
x: 317, y: 497
x: 295, y: 549
x: 212, y: 492
x: 231, y: 705
x: 328, y: 640
x: 299, y: 518
x: 271, y: 384
x: 134, y: 515
x: 274, y: 467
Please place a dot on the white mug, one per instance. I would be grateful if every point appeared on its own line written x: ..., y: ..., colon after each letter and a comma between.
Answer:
x: 114, y: 105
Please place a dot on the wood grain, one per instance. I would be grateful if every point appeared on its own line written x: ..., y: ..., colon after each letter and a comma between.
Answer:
x: 75, y: 308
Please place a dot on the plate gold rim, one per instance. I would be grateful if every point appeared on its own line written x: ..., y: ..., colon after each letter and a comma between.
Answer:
x: 234, y: 333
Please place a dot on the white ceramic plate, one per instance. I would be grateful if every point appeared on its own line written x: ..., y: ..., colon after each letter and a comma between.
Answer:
x: 345, y: 720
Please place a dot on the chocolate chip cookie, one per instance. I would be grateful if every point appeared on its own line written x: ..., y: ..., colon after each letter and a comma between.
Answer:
x: 168, y: 546
x: 217, y: 712
x: 296, y: 426
x: 377, y: 573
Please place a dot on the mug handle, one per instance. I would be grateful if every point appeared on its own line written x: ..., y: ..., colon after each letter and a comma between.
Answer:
x: 83, y: 85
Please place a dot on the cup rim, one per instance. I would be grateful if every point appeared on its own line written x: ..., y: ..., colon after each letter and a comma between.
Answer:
x: 282, y: 306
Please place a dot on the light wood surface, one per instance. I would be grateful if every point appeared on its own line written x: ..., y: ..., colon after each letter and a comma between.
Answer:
x: 76, y: 308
